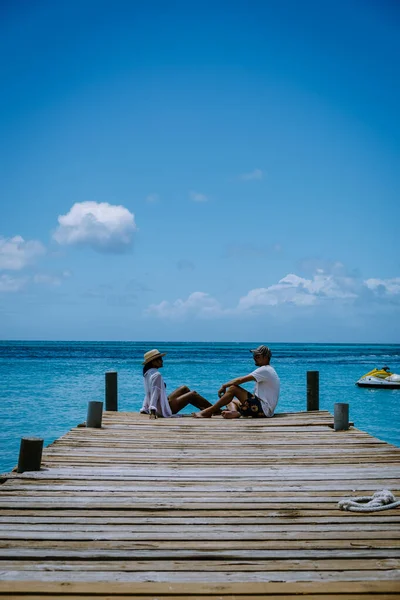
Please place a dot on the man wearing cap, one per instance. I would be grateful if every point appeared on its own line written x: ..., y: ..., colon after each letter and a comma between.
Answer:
x: 240, y: 402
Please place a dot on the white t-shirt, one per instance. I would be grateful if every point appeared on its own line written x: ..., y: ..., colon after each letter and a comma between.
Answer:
x: 267, y: 388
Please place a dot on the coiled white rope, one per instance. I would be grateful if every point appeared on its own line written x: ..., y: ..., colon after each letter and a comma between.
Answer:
x: 383, y: 500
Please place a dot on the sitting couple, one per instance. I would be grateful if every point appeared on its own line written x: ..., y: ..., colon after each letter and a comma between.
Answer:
x: 238, y: 401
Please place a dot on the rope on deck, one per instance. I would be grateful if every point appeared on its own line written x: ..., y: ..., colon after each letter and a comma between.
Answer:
x: 382, y: 500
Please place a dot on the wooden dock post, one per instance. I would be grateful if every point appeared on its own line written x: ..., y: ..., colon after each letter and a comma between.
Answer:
x: 312, y: 390
x: 111, y: 390
x: 30, y: 454
x: 94, y: 414
x: 341, y: 416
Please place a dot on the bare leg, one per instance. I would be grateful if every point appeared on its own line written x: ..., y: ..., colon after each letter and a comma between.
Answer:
x: 183, y: 389
x: 178, y: 402
x: 234, y: 391
x: 232, y: 410
x: 231, y: 414
x: 199, y: 401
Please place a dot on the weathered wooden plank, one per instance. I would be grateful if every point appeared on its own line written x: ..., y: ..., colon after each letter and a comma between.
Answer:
x: 16, y: 521
x: 349, y: 487
x: 90, y: 502
x: 314, y: 472
x: 111, y: 556
x: 262, y: 450
x: 270, y: 441
x: 332, y: 586
x: 207, y: 565
x: 200, y: 529
x: 214, y: 545
x: 212, y: 596
x: 376, y: 455
x: 250, y: 495
x: 235, y: 576
x: 371, y: 478
x: 207, y: 534
x: 287, y: 514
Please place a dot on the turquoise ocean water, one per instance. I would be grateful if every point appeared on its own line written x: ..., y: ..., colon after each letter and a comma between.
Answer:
x: 45, y: 386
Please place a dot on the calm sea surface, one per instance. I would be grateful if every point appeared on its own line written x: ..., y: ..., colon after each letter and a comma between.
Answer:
x: 45, y: 386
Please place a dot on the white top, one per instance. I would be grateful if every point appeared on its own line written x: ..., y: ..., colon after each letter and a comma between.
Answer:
x: 267, y: 388
x: 156, y: 396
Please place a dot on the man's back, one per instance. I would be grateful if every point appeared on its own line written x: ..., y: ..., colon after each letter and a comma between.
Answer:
x: 267, y: 388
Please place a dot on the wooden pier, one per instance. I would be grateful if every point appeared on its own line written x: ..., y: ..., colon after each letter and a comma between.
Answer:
x: 202, y: 509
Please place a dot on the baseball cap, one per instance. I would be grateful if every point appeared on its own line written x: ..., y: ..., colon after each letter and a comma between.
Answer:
x: 262, y: 350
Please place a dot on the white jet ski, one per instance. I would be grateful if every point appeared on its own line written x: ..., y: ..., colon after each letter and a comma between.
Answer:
x: 380, y: 378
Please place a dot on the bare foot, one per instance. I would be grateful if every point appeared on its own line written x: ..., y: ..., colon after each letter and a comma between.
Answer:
x: 201, y: 415
x: 230, y: 414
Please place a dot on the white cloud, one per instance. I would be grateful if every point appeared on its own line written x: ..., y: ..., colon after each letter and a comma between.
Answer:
x: 390, y: 287
x: 197, y: 197
x: 104, y: 227
x: 11, y: 284
x: 16, y: 284
x: 273, y: 296
x: 300, y: 291
x: 254, y: 175
x: 323, y: 284
x: 197, y: 304
x: 16, y: 253
x: 322, y: 289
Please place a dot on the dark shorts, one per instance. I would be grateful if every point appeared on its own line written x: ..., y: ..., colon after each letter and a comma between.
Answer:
x: 252, y: 407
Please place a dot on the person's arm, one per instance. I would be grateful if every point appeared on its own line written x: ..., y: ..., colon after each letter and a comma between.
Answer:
x: 236, y: 381
x: 145, y: 405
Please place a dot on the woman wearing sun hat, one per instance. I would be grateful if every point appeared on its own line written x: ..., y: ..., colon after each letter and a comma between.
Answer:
x: 156, y: 399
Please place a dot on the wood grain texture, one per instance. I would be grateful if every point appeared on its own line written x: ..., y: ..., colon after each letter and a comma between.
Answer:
x: 202, y: 509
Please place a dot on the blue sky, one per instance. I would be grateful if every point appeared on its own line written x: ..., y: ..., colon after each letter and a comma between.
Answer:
x: 221, y: 171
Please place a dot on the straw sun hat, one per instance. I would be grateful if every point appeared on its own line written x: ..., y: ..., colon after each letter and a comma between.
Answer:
x: 151, y: 355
